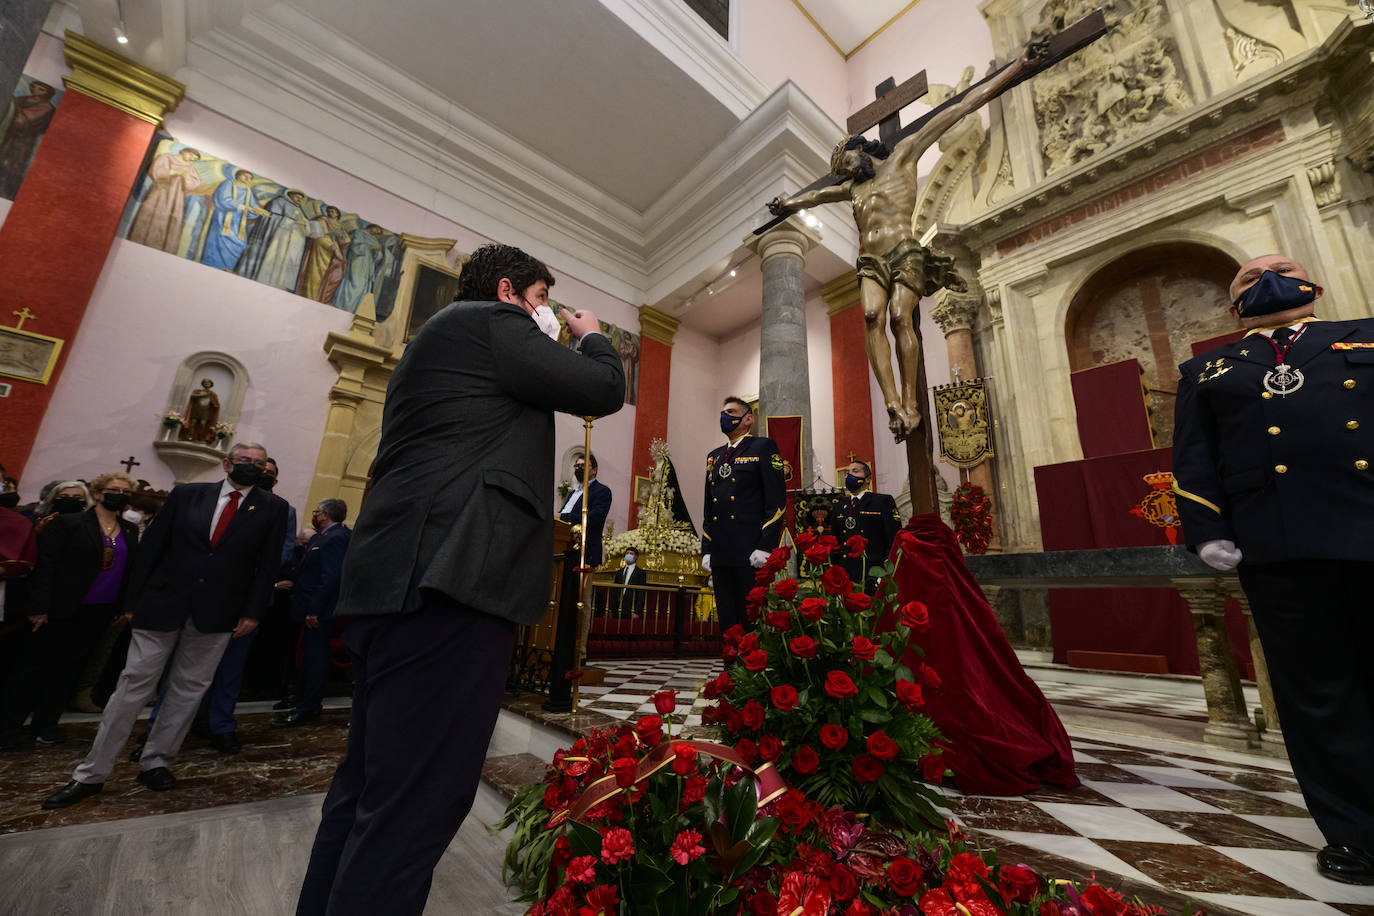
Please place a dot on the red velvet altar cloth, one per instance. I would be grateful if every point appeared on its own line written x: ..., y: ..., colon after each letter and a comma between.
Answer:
x: 1111, y: 409
x: 1003, y: 737
x: 1086, y: 505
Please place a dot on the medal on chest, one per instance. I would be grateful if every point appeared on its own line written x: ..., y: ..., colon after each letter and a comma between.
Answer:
x: 850, y: 523
x: 724, y: 469
x: 1283, y: 380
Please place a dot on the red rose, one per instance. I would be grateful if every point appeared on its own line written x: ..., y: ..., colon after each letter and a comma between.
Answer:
x: 624, y: 770
x: 778, y: 620
x: 770, y: 748
x: 752, y: 714
x: 748, y: 750
x: 665, y: 701
x: 748, y: 643
x: 784, y: 697
x: 967, y: 868
x: 881, y: 746
x: 804, y: 540
x: 864, y: 650
x: 855, y: 545
x: 857, y: 602
x: 916, y: 616
x: 839, y: 686
x: 836, y: 581
x: 616, y: 845
x: 733, y: 635
x: 834, y: 736
x: 904, y: 876
x: 829, y: 542
x: 906, y: 541
x: 803, y: 647
x: 933, y: 768
x: 756, y: 660
x: 909, y: 694
x: 928, y: 676
x: 806, y: 760
x: 818, y: 555
x: 1050, y: 908
x: 812, y: 609
x: 650, y: 730
x: 684, y: 759
x: 867, y: 769
x: 786, y: 589
x: 1019, y: 883
x: 843, y: 884
x: 764, y: 903
x: 778, y: 558
x: 724, y: 682
x: 1104, y: 901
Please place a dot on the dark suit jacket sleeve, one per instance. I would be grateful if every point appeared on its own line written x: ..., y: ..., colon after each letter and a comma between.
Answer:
x: 536, y: 370
x: 639, y: 577
x: 52, y: 547
x: 774, y: 497
x: 316, y: 590
x: 153, y: 544
x: 1197, y: 478
x: 892, y: 523
x: 706, y: 515
x: 600, y: 506
x: 267, y: 563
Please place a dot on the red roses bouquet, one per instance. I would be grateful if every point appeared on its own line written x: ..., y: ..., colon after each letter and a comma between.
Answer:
x: 971, y: 516
x: 818, y: 690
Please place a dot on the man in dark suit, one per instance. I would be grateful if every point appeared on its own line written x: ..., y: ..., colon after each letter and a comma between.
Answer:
x: 872, y: 516
x: 315, y: 593
x: 1273, y: 444
x: 628, y: 602
x: 742, y: 521
x: 202, y: 575
x: 453, y: 549
x: 598, y: 507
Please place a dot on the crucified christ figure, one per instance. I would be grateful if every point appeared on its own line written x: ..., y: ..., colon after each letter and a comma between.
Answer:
x: 894, y: 269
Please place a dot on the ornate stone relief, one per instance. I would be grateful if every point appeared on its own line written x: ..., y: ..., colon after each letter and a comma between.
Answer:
x: 1003, y: 183
x: 1249, y: 55
x: 1326, y: 183
x: 955, y: 311
x: 1112, y: 90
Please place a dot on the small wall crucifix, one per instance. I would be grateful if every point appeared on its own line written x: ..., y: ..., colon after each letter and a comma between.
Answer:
x: 23, y: 315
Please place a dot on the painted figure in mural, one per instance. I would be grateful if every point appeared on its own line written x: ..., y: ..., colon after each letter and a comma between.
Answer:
x: 628, y: 348
x: 202, y: 413
x: 390, y: 278
x: 32, y: 115
x: 276, y: 243
x: 227, y: 235
x: 895, y: 270
x: 325, y: 256
x: 364, y: 257
x: 158, y: 223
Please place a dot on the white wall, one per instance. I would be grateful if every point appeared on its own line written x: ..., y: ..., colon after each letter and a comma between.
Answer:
x: 778, y: 43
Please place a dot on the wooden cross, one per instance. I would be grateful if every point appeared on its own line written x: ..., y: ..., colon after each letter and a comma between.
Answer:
x: 129, y: 464
x: 882, y: 113
x: 23, y: 315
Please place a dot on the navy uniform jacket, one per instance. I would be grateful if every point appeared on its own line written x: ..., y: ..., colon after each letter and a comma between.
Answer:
x: 315, y: 589
x: 744, y: 506
x: 597, y: 510
x: 872, y: 516
x: 1283, y: 477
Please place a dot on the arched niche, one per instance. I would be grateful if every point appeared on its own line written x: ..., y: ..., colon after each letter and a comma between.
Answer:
x: 1152, y: 305
x: 230, y: 382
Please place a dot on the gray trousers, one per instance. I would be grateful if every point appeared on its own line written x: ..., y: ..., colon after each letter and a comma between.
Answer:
x: 194, y: 656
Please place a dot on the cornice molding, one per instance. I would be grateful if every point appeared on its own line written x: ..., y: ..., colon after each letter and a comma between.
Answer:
x: 117, y: 81
x: 841, y: 294
x: 656, y: 325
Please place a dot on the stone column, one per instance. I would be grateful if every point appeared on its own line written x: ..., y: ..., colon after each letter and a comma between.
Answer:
x: 20, y: 23
x: 955, y: 314
x: 1272, y: 736
x: 849, y: 370
x: 656, y: 331
x: 784, y: 378
x: 1228, y: 722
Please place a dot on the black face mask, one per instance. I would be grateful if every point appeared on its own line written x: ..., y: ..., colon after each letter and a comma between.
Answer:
x: 267, y: 481
x: 853, y: 484
x: 245, y: 475
x: 729, y: 423
x: 114, y: 501
x: 579, y: 473
x: 65, y: 504
x: 9, y: 500
x: 1274, y: 293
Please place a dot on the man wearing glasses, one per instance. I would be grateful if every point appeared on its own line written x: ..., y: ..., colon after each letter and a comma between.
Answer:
x: 202, y: 575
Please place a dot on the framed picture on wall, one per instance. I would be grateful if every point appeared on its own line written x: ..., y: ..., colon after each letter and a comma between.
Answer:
x: 643, y: 490
x: 28, y: 356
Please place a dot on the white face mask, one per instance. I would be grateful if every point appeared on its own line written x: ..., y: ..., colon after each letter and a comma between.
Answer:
x: 132, y: 516
x: 547, y: 321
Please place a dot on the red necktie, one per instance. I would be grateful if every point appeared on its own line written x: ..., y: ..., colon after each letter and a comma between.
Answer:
x: 225, y: 517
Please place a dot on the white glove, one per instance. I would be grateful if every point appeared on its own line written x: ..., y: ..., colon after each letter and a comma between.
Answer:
x: 1219, y: 554
x: 706, y: 562
x: 758, y: 558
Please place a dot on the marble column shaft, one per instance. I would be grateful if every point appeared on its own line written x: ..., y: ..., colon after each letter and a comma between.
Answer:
x: 1228, y: 722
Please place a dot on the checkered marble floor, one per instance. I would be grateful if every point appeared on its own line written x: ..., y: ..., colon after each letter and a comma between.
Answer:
x: 1225, y: 829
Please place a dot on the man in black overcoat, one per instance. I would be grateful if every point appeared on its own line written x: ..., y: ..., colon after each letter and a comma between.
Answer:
x: 872, y: 516
x: 741, y: 525
x: 1273, y: 444
x: 452, y: 550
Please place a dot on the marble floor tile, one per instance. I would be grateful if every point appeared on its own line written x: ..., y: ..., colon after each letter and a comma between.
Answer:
x: 1177, y: 776
x: 1197, y: 869
x: 1257, y: 782
x: 1354, y: 909
x: 1106, y: 772
x: 1006, y: 814
x: 1098, y: 822
x: 1299, y: 870
x: 1241, y: 802
x: 1080, y: 757
x: 1292, y: 798
x: 1074, y: 848
x: 1270, y: 906
x: 1080, y: 795
x: 1220, y: 829
x: 1150, y: 797
x: 1302, y: 829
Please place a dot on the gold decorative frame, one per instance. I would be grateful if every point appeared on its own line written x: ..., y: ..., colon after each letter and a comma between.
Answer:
x: 643, y: 490
x: 11, y: 368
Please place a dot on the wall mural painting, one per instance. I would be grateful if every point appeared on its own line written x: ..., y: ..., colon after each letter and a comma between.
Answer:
x: 24, y: 121
x: 625, y: 343
x: 192, y: 205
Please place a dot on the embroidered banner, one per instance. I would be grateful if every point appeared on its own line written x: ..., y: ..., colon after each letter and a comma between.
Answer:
x: 965, y: 423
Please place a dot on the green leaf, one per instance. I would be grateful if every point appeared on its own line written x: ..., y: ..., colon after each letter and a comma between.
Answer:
x: 584, y: 839
x: 876, y: 716
x: 741, y: 804
x: 876, y: 697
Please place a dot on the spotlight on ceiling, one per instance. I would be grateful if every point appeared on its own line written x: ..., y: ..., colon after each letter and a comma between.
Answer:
x: 120, y: 35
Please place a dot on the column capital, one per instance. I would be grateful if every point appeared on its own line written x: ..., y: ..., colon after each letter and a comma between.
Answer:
x: 792, y: 238
x: 955, y: 311
x: 841, y: 293
x: 117, y: 81
x: 657, y: 325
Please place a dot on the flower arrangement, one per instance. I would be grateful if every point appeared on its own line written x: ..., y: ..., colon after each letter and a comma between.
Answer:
x: 971, y: 515
x: 172, y: 419
x: 223, y: 430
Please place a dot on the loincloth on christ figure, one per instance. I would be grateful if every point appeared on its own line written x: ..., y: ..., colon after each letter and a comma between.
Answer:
x: 912, y: 265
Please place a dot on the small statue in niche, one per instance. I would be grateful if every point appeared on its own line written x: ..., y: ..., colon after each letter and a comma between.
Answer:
x: 202, y: 413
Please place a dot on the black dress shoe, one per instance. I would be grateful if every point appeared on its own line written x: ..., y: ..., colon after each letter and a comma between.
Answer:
x: 284, y: 705
x: 72, y: 793
x: 296, y: 719
x: 227, y: 743
x: 159, y: 779
x: 1347, y: 864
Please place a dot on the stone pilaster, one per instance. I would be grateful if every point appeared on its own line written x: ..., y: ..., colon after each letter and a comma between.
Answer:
x: 853, y: 404
x: 657, y: 330
x: 1228, y: 722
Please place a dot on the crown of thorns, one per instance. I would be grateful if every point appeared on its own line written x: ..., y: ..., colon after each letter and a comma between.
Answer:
x: 839, y: 151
